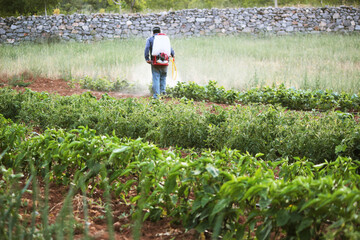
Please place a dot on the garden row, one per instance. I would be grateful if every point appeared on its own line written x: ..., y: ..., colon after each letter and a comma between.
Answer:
x: 271, y: 130
x: 286, y: 97
x: 229, y: 194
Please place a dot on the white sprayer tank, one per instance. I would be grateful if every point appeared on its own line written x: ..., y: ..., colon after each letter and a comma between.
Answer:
x: 161, y: 45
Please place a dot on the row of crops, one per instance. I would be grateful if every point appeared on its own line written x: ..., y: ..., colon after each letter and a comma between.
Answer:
x: 272, y: 130
x: 287, y: 97
x: 252, y: 171
x: 211, y: 191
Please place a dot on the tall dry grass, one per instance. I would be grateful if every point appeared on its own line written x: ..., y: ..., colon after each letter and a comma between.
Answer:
x: 302, y: 61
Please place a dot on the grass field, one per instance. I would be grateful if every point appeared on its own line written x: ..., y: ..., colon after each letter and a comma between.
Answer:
x: 302, y: 61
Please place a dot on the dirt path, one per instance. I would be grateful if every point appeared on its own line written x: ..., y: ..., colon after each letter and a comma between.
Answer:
x: 62, y: 88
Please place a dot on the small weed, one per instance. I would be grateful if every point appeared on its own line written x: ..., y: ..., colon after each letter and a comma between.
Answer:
x: 19, y: 80
x: 71, y: 84
x: 66, y: 75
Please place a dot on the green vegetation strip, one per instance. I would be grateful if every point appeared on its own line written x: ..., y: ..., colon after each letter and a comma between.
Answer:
x: 103, y: 84
x: 230, y: 194
x: 286, y: 97
x: 18, y: 7
x: 271, y: 130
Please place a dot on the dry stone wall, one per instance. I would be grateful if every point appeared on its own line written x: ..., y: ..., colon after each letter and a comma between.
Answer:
x: 183, y: 23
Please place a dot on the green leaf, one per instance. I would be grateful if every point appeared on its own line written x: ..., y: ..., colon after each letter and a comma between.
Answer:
x: 318, y: 166
x: 276, y: 163
x: 282, y: 217
x: 217, y: 226
x: 337, y: 224
x: 117, y: 151
x: 195, y: 206
x: 126, y: 171
x: 310, y: 203
x: 223, y: 203
x: 264, y: 202
x: 205, y: 200
x: 74, y: 144
x: 120, y: 150
x: 212, y: 170
x: 115, y: 175
x: 205, y: 213
x: 202, y: 226
x: 340, y: 148
x: 305, y: 234
x: 208, y: 189
x: 252, y: 191
x: 134, y: 199
x: 227, y: 175
x: 240, y: 232
x: 305, y: 223
x: 3, y: 153
x: 124, y: 187
x: 170, y: 183
x: 174, y: 199
x: 263, y: 232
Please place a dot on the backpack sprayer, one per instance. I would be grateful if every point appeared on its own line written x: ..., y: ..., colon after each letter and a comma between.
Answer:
x: 161, y: 53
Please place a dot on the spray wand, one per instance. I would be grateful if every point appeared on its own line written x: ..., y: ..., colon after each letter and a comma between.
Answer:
x: 174, y: 71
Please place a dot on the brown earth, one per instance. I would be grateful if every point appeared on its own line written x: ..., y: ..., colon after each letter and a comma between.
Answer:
x: 65, y: 88
x: 61, y: 87
x: 97, y: 221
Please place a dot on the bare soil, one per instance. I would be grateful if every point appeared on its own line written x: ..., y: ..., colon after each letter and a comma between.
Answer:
x: 97, y: 221
x: 60, y: 86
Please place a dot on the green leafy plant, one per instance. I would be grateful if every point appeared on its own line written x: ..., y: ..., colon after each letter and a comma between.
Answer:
x: 225, y: 192
x: 286, y: 97
x: 103, y: 84
x: 272, y: 130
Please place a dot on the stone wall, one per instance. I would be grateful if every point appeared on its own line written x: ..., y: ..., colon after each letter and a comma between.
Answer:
x: 191, y: 22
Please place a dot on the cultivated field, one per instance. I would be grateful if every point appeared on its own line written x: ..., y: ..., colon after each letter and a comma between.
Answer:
x: 265, y: 152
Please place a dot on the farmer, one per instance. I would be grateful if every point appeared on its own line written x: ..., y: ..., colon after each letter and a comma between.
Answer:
x: 157, y: 53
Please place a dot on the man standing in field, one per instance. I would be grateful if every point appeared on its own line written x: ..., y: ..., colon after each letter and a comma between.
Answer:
x: 157, y: 53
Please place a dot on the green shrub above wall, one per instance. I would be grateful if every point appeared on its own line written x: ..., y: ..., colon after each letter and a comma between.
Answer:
x: 30, y: 7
